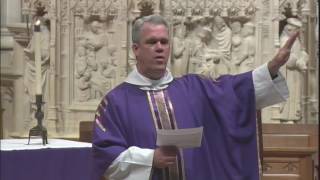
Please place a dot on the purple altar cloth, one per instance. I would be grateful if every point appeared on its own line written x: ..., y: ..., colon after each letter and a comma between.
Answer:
x: 46, y: 164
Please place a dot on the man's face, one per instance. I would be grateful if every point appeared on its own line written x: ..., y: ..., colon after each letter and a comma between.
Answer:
x: 152, y: 52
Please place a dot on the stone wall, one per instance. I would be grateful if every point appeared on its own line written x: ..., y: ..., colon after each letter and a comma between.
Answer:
x: 86, y: 52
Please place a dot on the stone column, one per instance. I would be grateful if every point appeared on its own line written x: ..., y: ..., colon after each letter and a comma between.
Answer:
x: 12, y: 67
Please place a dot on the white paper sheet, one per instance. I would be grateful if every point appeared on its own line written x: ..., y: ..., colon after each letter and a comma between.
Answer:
x: 182, y: 138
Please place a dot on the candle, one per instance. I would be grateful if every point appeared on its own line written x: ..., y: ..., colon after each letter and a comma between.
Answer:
x: 37, y: 49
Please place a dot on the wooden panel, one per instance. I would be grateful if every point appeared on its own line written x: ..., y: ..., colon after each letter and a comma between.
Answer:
x: 85, y: 134
x: 289, y: 131
x: 282, y: 166
x: 294, y: 140
x: 280, y: 177
x: 288, y: 151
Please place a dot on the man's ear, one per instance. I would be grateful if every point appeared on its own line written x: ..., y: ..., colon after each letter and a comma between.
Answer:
x: 135, y: 48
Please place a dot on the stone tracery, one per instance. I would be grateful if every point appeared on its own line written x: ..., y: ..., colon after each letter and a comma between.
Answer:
x: 84, y: 64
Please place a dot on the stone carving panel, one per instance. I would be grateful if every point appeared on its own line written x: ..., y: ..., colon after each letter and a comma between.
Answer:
x: 245, y: 60
x: 88, y: 49
x: 96, y: 66
x: 208, y: 43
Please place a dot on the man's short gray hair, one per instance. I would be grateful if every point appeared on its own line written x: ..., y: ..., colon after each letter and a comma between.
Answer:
x: 152, y: 19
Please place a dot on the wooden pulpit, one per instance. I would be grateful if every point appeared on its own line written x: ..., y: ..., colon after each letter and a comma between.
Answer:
x: 290, y: 151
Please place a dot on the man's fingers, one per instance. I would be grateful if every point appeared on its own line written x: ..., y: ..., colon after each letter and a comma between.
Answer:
x: 170, y: 150
x: 165, y: 156
x: 291, y: 40
x: 165, y: 162
x: 170, y: 159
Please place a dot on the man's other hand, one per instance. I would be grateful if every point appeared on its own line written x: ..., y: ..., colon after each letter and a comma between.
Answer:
x: 165, y: 156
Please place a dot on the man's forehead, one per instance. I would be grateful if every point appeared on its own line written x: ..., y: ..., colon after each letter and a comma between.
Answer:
x: 155, y: 30
x: 151, y: 26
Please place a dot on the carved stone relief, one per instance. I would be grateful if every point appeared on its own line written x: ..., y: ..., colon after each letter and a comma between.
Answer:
x: 95, y: 63
x: 244, y: 61
x: 89, y: 49
x: 208, y: 32
x: 294, y: 72
x: 181, y: 49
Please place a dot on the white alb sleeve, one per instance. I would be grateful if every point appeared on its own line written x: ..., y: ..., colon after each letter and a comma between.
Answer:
x: 268, y: 91
x: 132, y: 164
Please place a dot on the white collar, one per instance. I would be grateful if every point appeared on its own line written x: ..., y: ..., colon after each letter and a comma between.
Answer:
x: 148, y: 84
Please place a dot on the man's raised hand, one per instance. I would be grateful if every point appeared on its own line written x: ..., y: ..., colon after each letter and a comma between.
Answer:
x: 282, y: 56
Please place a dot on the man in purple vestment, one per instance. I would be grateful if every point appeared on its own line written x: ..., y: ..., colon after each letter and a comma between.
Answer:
x: 124, y: 135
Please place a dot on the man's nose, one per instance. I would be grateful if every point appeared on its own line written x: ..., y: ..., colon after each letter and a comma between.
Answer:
x: 159, y: 46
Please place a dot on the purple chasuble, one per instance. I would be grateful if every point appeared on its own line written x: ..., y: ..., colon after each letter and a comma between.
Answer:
x: 224, y: 107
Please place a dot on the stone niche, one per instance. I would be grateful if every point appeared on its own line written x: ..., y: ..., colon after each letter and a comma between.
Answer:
x: 86, y: 52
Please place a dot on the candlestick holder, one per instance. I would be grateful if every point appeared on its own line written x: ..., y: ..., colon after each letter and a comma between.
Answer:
x: 39, y: 129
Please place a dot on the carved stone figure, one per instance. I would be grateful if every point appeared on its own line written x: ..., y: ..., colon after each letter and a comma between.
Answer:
x: 180, y: 51
x: 296, y: 66
x: 95, y: 40
x: 220, y: 45
x: 108, y: 71
x: 113, y: 7
x: 95, y: 43
x: 84, y: 87
x: 198, y: 55
x: 208, y: 65
x: 82, y: 73
x: 236, y: 41
x: 245, y: 62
